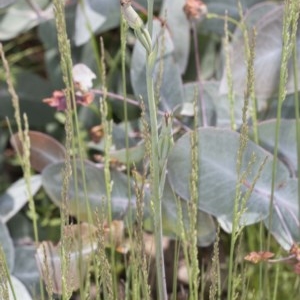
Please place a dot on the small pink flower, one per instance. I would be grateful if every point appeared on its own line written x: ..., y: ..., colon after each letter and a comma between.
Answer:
x: 57, y: 100
x: 84, y: 99
x: 256, y: 257
x: 194, y: 9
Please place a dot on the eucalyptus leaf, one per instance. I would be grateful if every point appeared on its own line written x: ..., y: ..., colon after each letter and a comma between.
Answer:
x: 267, y: 62
x: 110, y: 9
x: 288, y: 110
x: 25, y: 268
x: 47, y: 33
x: 134, y: 154
x: 19, y: 289
x: 6, y: 3
x: 87, y: 21
x: 222, y: 104
x: 255, y: 14
x: 206, y: 228
x: 217, y: 106
x: 175, y: 15
x: 118, y: 139
x: 287, y: 148
x: 44, y: 149
x: 96, y: 194
x: 222, y: 8
x: 219, y: 7
x: 175, y: 217
x: 217, y: 179
x: 193, y: 93
x: 21, y: 17
x: 31, y: 89
x: 131, y: 155
x: 285, y: 215
x: 7, y: 246
x: 16, y: 196
x: 48, y: 36
x: 20, y: 228
x: 89, y: 57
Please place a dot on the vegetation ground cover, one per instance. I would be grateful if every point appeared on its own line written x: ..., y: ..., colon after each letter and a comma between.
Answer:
x: 149, y: 149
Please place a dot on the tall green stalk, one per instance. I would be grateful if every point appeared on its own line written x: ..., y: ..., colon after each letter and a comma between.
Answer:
x: 124, y: 29
x: 228, y: 69
x: 24, y: 138
x: 73, y: 142
x: 297, y: 122
x: 192, y: 249
x: 156, y: 172
x: 240, y: 200
x: 290, y: 23
x: 155, y: 183
x: 249, y: 43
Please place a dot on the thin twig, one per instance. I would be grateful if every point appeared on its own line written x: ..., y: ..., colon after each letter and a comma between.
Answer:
x: 136, y: 103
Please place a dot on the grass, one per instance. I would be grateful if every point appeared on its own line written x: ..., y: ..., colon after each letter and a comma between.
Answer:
x: 224, y: 272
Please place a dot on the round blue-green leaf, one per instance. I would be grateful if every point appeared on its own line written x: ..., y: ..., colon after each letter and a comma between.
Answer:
x: 20, y: 290
x: 44, y: 149
x: 31, y: 89
x: 25, y: 268
x: 21, y: 17
x: 7, y: 246
x: 217, y: 107
x: 285, y: 215
x: 206, y: 228
x: 268, y: 50
x: 16, y: 196
x: 131, y: 155
x: 87, y: 21
x: 96, y: 194
x: 217, y: 178
x: 222, y: 8
x: 110, y: 9
x: 287, y: 148
x: 6, y: 3
x: 175, y: 15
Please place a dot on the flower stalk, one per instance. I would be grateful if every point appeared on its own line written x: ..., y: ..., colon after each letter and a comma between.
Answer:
x: 157, y: 171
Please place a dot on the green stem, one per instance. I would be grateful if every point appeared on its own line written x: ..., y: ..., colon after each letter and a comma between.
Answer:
x: 155, y: 168
x: 202, y: 103
x: 229, y: 75
x: 125, y: 107
x: 150, y: 16
x: 93, y: 40
x: 222, y: 17
x: 275, y: 289
x: 286, y: 44
x: 155, y: 183
x: 289, y: 31
x: 297, y: 117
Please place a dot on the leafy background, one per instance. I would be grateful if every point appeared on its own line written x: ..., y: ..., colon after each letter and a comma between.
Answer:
x: 30, y: 42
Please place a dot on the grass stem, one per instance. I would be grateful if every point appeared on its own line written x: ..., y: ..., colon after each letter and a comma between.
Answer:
x: 155, y: 183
